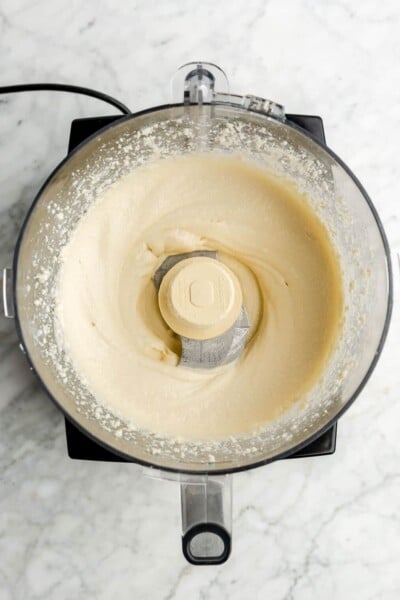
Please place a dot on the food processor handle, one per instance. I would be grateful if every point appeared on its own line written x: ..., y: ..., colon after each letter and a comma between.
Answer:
x: 206, y: 503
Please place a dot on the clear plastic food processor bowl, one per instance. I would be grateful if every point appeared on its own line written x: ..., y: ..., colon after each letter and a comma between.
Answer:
x: 207, y: 121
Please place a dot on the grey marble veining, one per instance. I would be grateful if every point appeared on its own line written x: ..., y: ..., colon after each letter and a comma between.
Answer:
x: 305, y: 529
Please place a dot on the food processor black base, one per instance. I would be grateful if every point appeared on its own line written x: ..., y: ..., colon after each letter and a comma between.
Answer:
x: 80, y: 446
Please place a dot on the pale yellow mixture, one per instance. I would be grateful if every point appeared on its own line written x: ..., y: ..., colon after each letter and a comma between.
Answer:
x: 267, y: 235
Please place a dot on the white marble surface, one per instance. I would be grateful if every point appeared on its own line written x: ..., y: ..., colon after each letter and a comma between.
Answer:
x: 306, y: 529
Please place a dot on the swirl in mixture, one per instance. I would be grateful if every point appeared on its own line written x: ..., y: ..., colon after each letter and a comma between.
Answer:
x: 264, y: 231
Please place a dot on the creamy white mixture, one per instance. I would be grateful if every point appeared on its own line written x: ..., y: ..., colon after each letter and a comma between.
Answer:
x: 263, y: 230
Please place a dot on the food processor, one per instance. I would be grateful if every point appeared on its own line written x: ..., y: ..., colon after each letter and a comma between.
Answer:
x: 204, y: 117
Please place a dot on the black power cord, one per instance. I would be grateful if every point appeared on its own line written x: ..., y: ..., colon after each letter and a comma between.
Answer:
x: 61, y: 87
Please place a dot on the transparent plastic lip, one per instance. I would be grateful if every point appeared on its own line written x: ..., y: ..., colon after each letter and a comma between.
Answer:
x: 245, y: 465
